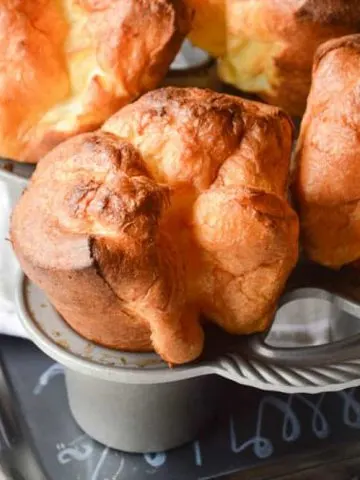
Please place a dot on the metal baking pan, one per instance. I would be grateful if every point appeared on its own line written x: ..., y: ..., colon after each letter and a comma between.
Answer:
x: 136, y: 403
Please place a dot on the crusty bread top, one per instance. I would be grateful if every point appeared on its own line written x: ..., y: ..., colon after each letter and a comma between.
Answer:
x: 177, y: 208
x: 67, y: 65
x: 327, y: 186
x: 271, y: 44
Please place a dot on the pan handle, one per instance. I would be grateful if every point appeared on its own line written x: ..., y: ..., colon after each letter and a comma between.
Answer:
x: 343, y: 350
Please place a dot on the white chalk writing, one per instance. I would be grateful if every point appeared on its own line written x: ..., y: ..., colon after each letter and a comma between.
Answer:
x: 155, y: 459
x: 79, y: 450
x: 262, y: 443
x: 46, y: 376
x: 351, y: 410
x: 96, y: 471
x: 197, y: 452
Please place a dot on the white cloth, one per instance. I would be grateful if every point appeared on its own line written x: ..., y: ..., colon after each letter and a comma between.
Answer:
x: 189, y: 57
x: 9, y: 322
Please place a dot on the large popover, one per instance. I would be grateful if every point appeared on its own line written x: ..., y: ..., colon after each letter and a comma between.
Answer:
x: 327, y: 184
x: 176, y: 209
x: 68, y: 65
x: 271, y: 44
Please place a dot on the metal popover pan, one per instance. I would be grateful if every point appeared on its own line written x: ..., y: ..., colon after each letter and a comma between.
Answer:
x: 135, y: 402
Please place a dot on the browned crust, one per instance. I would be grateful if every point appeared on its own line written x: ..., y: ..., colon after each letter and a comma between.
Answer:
x: 68, y: 66
x: 327, y: 178
x: 330, y: 12
x: 349, y: 41
x: 297, y: 28
x: 175, y: 209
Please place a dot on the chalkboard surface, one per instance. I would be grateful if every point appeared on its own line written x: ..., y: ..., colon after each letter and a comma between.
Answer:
x: 253, y: 428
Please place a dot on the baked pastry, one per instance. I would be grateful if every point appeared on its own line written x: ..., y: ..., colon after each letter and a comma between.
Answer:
x: 327, y: 181
x: 176, y: 208
x: 271, y: 43
x: 67, y: 65
x: 209, y: 26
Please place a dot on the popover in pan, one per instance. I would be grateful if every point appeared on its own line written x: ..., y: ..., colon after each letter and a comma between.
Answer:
x: 176, y: 210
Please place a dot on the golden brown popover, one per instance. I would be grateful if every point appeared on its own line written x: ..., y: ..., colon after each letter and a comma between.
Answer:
x: 175, y: 209
x: 68, y: 65
x: 327, y: 183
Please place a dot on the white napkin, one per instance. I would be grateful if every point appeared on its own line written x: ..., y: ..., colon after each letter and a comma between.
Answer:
x: 10, y: 190
x: 189, y: 57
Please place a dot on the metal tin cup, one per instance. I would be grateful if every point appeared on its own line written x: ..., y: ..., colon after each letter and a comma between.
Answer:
x: 131, y: 402
x: 141, y: 418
